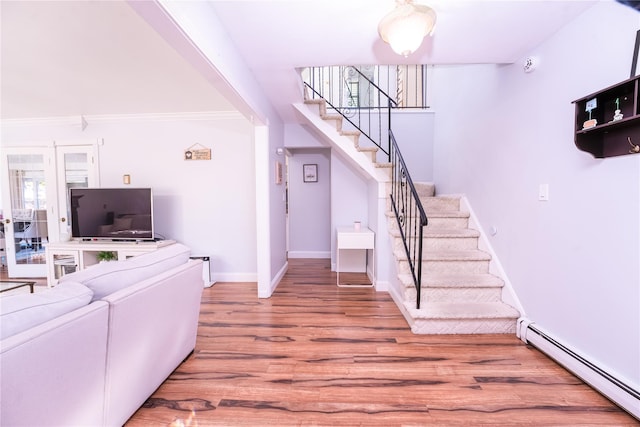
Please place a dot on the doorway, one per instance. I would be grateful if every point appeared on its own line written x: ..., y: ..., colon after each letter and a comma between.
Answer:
x: 34, y: 199
x: 309, y: 203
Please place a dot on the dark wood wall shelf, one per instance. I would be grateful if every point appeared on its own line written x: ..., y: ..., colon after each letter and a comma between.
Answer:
x: 610, y: 137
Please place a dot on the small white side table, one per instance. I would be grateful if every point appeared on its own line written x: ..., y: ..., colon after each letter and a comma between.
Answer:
x: 350, y: 238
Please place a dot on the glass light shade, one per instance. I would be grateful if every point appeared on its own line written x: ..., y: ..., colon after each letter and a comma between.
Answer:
x: 406, y: 26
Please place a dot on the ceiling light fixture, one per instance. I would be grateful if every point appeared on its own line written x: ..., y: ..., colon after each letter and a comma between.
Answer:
x: 406, y: 26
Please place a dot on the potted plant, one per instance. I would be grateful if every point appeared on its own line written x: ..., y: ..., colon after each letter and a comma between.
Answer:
x: 107, y: 256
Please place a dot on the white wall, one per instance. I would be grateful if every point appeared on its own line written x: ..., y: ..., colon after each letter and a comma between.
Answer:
x: 414, y: 133
x: 194, y: 30
x: 413, y: 130
x: 574, y: 260
x: 208, y: 205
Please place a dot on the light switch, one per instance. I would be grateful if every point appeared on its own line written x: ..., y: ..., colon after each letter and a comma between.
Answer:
x: 543, y: 192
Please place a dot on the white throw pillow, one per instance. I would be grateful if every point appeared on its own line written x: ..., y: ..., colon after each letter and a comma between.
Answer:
x: 23, y: 311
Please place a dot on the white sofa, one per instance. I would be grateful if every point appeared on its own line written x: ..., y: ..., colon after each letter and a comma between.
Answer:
x: 91, y: 350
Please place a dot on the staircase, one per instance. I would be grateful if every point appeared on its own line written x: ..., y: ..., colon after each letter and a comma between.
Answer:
x: 459, y: 295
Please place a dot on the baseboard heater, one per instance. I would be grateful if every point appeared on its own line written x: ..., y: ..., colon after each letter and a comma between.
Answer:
x: 614, y: 389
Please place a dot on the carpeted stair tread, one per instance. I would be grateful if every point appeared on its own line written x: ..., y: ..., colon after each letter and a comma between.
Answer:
x: 367, y: 148
x: 440, y: 232
x: 425, y: 189
x: 466, y: 255
x: 382, y: 165
x: 462, y: 310
x: 446, y: 214
x: 450, y: 232
x: 331, y: 117
x: 440, y: 202
x: 445, y: 280
x: 434, y: 214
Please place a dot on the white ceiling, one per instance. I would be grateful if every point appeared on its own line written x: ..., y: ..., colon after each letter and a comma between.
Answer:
x: 61, y: 58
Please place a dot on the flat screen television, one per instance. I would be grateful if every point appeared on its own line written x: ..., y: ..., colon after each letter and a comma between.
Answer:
x: 111, y: 213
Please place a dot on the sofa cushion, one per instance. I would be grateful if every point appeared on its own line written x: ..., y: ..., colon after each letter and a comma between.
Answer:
x: 21, y: 312
x: 105, y: 278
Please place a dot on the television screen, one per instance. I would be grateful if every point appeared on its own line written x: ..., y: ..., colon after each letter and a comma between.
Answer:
x: 111, y: 213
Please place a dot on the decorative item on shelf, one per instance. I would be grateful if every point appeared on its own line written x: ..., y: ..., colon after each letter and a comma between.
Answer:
x: 617, y: 115
x: 617, y: 132
x: 591, y: 105
x: 356, y: 225
x: 104, y: 256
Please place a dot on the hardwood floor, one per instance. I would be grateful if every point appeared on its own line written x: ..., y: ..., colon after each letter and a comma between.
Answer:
x: 316, y: 354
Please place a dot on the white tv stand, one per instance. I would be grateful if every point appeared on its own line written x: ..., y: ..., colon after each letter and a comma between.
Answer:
x: 66, y: 257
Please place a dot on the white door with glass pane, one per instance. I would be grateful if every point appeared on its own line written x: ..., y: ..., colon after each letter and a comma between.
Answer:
x: 34, y: 187
x: 77, y: 168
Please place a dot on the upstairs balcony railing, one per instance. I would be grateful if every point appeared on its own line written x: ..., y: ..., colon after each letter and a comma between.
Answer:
x: 358, y: 95
x: 364, y: 95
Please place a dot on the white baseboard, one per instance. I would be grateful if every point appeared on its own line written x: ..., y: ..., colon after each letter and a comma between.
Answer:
x: 236, y: 277
x: 309, y: 254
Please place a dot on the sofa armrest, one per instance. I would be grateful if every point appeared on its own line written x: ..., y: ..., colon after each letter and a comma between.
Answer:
x: 152, y: 328
x: 54, y: 374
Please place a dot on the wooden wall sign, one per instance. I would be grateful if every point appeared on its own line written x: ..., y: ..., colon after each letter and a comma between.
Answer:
x: 197, y: 152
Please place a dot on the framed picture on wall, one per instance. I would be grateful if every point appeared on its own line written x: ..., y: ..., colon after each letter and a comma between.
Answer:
x: 310, y: 173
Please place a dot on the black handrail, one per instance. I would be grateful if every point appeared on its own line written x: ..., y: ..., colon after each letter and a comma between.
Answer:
x: 410, y: 214
x: 405, y: 201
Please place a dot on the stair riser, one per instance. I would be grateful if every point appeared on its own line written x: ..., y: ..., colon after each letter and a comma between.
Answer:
x: 432, y: 244
x: 444, y: 222
x: 435, y: 204
x: 454, y: 295
x: 462, y: 267
x: 425, y: 191
x: 433, y: 222
x: 461, y: 326
x: 388, y: 172
x: 440, y: 203
x: 450, y: 267
x: 451, y: 244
